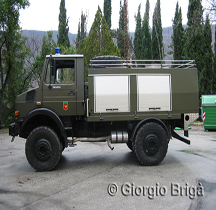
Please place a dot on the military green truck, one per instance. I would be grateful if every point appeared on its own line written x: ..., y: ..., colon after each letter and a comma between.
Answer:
x: 132, y: 102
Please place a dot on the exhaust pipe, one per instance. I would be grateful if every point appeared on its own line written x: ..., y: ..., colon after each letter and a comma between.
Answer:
x: 116, y: 137
x: 100, y: 139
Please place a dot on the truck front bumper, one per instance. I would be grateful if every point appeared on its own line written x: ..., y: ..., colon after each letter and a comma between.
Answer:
x: 14, y: 129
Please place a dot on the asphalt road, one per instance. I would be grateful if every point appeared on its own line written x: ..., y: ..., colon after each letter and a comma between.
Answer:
x: 91, y: 176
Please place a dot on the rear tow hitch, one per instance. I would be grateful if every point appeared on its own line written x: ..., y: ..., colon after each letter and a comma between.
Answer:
x: 12, y: 140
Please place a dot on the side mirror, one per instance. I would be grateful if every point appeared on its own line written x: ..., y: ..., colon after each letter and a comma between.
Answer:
x: 52, y: 71
x: 52, y: 66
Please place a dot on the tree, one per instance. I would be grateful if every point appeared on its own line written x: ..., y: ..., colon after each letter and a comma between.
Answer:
x: 63, y: 27
x: 198, y: 46
x: 207, y: 73
x: 146, y: 35
x: 157, y: 36
x: 12, y: 56
x: 212, y: 5
x: 211, y: 8
x: 120, y: 31
x: 78, y: 38
x: 108, y: 12
x: 48, y: 48
x: 138, y: 35
x: 99, y: 42
x: 195, y: 41
x: 82, y: 30
x: 127, y: 44
x: 214, y: 66
x: 195, y: 27
x: 195, y: 13
x: 178, y: 35
x: 68, y: 51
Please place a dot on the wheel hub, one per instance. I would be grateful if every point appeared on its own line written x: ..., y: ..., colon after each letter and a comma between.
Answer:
x: 43, y: 150
x: 151, y: 144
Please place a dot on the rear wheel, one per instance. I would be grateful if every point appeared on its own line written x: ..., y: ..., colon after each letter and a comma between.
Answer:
x: 150, y: 144
x: 43, y: 149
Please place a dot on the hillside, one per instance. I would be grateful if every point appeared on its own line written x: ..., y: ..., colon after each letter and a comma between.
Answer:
x: 39, y: 35
x: 167, y: 33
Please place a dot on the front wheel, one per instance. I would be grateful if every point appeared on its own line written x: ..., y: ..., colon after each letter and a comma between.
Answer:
x: 43, y: 149
x: 150, y: 144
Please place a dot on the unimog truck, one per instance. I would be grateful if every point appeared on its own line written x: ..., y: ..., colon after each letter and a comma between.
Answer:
x: 139, y: 103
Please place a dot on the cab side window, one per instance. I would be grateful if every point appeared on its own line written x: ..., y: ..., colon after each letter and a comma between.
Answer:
x: 61, y: 72
x: 65, y: 75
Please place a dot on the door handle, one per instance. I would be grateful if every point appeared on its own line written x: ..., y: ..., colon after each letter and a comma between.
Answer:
x: 72, y: 93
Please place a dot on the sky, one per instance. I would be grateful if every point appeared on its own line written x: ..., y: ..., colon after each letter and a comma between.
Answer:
x: 42, y: 15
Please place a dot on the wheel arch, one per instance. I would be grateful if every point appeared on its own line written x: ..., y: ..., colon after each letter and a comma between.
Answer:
x: 45, y: 117
x: 150, y: 119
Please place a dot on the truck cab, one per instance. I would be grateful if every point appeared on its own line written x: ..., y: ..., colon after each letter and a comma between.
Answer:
x: 61, y: 88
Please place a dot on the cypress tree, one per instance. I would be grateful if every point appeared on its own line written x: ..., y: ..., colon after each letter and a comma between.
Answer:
x: 195, y: 13
x: 81, y: 35
x: 195, y: 41
x: 178, y: 35
x: 83, y: 29
x: 127, y: 43
x: 121, y: 17
x: 78, y: 38
x: 63, y: 27
x: 207, y: 73
x: 99, y: 42
x: 157, y: 36
x: 195, y: 27
x: 138, y: 35
x: 214, y: 66
x: 120, y: 31
x: 146, y: 39
x: 108, y: 12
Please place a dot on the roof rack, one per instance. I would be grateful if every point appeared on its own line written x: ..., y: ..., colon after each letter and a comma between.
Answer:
x: 163, y: 64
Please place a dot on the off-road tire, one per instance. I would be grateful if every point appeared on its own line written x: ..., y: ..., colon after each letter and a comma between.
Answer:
x: 43, y: 149
x: 150, y: 144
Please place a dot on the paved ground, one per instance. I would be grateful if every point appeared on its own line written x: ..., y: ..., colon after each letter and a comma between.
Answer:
x: 186, y: 179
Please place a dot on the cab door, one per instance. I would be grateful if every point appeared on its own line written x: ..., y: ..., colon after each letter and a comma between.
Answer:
x: 59, y: 87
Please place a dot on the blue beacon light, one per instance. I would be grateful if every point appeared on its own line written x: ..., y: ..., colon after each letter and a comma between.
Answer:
x: 57, y: 50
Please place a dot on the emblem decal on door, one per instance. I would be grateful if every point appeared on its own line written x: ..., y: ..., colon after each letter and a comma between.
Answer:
x: 65, y: 105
